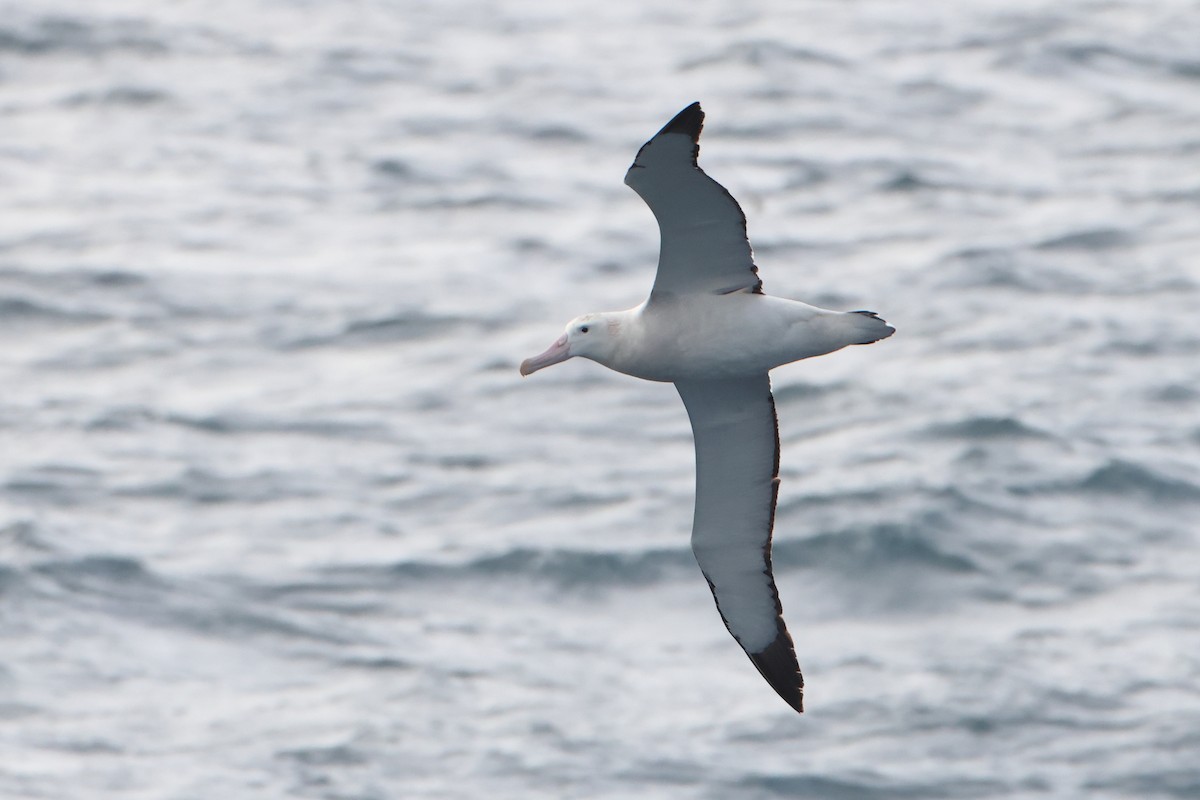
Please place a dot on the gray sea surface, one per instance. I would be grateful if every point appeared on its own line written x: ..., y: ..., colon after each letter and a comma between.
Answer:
x: 279, y: 518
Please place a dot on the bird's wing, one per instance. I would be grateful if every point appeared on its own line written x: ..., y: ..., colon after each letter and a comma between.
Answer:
x: 737, y: 481
x: 704, y: 246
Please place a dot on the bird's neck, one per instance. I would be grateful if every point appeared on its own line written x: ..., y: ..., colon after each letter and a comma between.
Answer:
x: 625, y: 331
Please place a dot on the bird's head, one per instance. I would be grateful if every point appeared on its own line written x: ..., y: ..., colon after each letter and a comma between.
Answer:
x: 591, y: 336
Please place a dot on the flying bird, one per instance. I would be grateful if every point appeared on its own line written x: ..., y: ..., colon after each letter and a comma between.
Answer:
x: 709, y: 328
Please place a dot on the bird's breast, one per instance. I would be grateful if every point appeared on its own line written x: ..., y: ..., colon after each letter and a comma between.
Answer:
x: 716, y: 336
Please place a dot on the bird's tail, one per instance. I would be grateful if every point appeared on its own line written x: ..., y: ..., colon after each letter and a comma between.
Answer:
x: 867, y: 327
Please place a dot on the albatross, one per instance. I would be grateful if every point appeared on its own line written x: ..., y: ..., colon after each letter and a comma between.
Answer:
x: 709, y: 328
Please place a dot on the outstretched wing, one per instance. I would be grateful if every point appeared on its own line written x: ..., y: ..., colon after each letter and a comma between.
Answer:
x: 737, y: 481
x: 704, y: 246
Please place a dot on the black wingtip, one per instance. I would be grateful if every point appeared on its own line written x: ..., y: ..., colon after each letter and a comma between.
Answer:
x: 690, y: 121
x: 778, y: 664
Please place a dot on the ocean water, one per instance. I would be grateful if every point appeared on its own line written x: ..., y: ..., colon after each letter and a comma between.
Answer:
x: 279, y: 518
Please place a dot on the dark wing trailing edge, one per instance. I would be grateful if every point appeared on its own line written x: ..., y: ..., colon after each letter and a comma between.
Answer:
x: 737, y: 484
x: 704, y: 244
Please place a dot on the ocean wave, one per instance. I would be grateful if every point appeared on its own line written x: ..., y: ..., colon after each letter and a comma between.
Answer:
x: 1010, y: 268
x: 763, y: 51
x: 118, y: 586
x: 1109, y: 57
x: 1124, y: 477
x: 394, y: 169
x: 985, y: 428
x: 18, y: 310
x: 133, y: 96
x: 1103, y: 238
x: 24, y: 538
x: 887, y: 546
x: 235, y: 423
x: 550, y: 133
x: 400, y: 327
x: 341, y: 755
x: 205, y: 487
x: 883, y: 547
x: 239, y: 423
x: 53, y: 34
x: 73, y: 279
x: 562, y: 567
x: 361, y: 66
x: 864, y: 785
x: 1119, y: 478
x: 1175, y: 393
x: 62, y: 484
x: 8, y: 577
x: 470, y: 201
x: 100, y: 574
x: 1181, y: 783
x: 786, y: 393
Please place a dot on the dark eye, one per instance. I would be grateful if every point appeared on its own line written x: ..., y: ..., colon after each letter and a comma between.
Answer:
x: 584, y: 329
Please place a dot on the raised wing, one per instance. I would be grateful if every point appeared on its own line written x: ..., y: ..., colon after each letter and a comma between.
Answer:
x: 704, y: 245
x: 737, y: 481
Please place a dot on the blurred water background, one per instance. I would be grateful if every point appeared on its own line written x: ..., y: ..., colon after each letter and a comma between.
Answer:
x: 278, y: 517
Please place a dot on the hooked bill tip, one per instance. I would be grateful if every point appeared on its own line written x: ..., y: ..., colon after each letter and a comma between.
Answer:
x: 559, y: 351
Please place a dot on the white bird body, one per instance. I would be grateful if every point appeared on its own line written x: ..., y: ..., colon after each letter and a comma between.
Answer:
x: 698, y: 337
x: 708, y: 328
